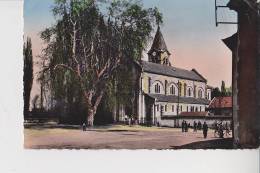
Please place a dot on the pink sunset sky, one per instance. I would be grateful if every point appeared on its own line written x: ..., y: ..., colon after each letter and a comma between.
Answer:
x: 189, y: 31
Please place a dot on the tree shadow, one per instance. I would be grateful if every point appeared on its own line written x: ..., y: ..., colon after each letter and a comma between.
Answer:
x: 226, y: 143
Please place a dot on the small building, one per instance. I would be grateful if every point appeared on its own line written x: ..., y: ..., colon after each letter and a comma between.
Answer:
x: 220, y: 106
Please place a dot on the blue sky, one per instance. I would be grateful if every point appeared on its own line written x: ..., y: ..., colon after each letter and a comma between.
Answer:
x: 189, y: 31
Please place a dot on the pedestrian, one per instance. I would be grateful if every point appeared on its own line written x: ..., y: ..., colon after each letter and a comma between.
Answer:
x: 227, y: 129
x: 126, y: 121
x: 84, y: 127
x: 129, y: 121
x: 205, y: 129
x: 186, y: 126
x: 195, y: 126
x: 199, y: 125
x: 221, y: 128
x: 215, y: 125
x: 182, y: 125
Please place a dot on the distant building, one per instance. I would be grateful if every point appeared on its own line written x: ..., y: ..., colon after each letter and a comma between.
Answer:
x: 220, y: 106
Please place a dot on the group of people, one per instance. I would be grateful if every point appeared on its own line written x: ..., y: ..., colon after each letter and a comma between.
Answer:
x: 130, y: 121
x: 185, y: 126
x: 219, y: 129
x: 196, y: 126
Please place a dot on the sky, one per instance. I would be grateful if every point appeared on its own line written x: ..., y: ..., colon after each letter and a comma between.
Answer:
x: 189, y: 31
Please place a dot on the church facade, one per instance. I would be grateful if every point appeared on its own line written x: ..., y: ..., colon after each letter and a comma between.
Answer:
x: 167, y: 91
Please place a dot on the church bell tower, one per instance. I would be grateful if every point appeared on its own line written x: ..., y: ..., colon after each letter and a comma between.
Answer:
x: 159, y: 53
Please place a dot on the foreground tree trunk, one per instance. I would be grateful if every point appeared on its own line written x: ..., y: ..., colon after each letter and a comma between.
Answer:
x: 92, y: 108
x: 90, y: 117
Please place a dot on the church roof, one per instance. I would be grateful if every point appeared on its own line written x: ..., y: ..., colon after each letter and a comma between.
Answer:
x: 174, y: 99
x: 172, y: 71
x: 158, y: 42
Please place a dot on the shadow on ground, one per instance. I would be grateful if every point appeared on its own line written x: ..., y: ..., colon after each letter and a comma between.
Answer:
x: 105, y: 128
x: 226, y: 143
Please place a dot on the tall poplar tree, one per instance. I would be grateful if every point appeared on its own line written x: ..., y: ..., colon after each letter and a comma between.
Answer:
x: 28, y: 74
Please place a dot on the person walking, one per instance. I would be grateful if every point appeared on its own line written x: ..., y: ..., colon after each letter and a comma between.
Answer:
x: 227, y: 129
x: 205, y: 129
x: 221, y: 130
x: 185, y: 126
x: 130, y: 121
x: 84, y: 127
x: 215, y: 126
x: 199, y: 125
x: 195, y: 126
x: 182, y: 125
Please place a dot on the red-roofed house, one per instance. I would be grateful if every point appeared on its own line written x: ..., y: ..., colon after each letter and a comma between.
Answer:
x: 221, y: 106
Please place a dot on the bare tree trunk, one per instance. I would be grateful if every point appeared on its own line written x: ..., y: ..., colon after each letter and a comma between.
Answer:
x: 92, y: 109
x: 90, y: 117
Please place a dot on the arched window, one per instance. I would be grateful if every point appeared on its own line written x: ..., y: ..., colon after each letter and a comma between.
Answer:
x: 157, y: 88
x: 196, y: 109
x: 172, y: 108
x: 200, y: 93
x: 189, y: 92
x: 172, y: 90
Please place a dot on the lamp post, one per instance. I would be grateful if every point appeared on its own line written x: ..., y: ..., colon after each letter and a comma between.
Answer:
x: 178, y: 102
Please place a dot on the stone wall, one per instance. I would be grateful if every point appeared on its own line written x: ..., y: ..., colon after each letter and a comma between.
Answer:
x: 177, y: 121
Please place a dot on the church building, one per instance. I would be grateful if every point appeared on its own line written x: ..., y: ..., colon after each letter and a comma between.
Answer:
x: 168, y: 91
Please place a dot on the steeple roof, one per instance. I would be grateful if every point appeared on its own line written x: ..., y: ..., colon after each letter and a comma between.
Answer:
x: 158, y: 42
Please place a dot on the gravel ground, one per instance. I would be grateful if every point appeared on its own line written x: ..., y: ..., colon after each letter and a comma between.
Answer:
x: 118, y: 137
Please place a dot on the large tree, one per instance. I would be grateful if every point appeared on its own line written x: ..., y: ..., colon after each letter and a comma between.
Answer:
x: 223, y: 88
x: 28, y: 74
x: 87, y: 45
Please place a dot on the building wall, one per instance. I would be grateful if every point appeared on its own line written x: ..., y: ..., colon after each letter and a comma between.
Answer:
x: 258, y: 77
x: 155, y: 78
x: 245, y: 122
x: 147, y: 83
x: 177, y: 122
x: 182, y: 108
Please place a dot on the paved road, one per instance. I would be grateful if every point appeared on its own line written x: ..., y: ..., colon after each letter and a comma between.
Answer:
x: 110, y: 138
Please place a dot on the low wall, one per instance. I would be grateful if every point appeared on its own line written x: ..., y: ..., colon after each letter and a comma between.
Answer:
x: 176, y: 121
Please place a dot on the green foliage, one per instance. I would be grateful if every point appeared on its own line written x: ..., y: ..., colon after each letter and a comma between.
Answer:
x: 224, y: 92
x: 28, y: 74
x: 215, y: 92
x: 223, y: 88
x: 121, y: 33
